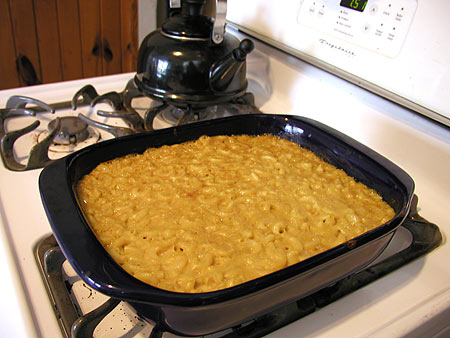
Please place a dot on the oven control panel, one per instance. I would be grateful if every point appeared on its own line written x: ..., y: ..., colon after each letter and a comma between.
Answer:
x: 380, y: 25
x: 398, y: 49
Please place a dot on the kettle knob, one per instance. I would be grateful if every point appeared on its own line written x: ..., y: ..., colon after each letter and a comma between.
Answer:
x: 191, y: 7
x: 245, y: 47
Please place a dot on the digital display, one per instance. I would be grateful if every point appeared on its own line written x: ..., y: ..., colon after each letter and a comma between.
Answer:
x: 357, y: 5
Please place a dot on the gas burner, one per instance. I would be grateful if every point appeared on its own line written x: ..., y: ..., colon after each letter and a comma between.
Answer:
x: 167, y: 115
x: 173, y: 115
x: 126, y: 112
x: 74, y: 135
x: 72, y: 130
x: 26, y: 146
x: 127, y: 103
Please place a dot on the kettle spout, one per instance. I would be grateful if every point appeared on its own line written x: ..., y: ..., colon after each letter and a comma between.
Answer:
x: 224, y: 71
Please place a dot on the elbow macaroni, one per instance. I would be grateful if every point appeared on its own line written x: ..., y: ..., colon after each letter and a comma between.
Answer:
x: 213, y: 213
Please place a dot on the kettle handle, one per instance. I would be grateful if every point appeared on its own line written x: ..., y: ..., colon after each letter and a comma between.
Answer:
x: 219, y: 24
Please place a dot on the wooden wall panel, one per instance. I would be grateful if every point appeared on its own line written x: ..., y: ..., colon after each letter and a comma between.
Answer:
x: 129, y: 19
x: 57, y: 40
x: 91, y: 38
x: 25, y: 37
x: 8, y: 73
x: 111, y: 36
x: 48, y: 40
x: 70, y: 41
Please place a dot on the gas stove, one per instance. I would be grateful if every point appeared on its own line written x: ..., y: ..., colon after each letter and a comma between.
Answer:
x: 411, y: 298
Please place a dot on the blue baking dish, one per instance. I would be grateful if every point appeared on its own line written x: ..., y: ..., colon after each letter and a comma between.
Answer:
x: 204, y: 313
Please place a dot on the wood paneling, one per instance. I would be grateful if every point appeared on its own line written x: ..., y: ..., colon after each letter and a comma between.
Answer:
x: 129, y: 25
x: 25, y: 40
x: 91, y: 37
x: 70, y: 39
x: 110, y: 20
x: 48, y: 40
x: 8, y: 73
x: 55, y: 40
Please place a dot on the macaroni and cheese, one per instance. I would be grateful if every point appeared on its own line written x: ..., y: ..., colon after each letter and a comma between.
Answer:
x: 216, y: 212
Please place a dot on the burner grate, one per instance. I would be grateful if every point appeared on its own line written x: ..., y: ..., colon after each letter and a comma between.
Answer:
x: 172, y: 115
x: 67, y: 134
x: 425, y: 237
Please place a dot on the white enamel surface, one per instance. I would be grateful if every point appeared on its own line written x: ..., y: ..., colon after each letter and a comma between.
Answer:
x: 398, y: 47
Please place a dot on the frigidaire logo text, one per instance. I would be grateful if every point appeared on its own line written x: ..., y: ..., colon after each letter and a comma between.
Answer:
x: 340, y: 48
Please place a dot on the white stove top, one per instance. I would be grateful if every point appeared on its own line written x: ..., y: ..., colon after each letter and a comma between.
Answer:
x: 415, y: 298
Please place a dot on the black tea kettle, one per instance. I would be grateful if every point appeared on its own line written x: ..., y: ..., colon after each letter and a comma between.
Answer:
x: 192, y: 61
